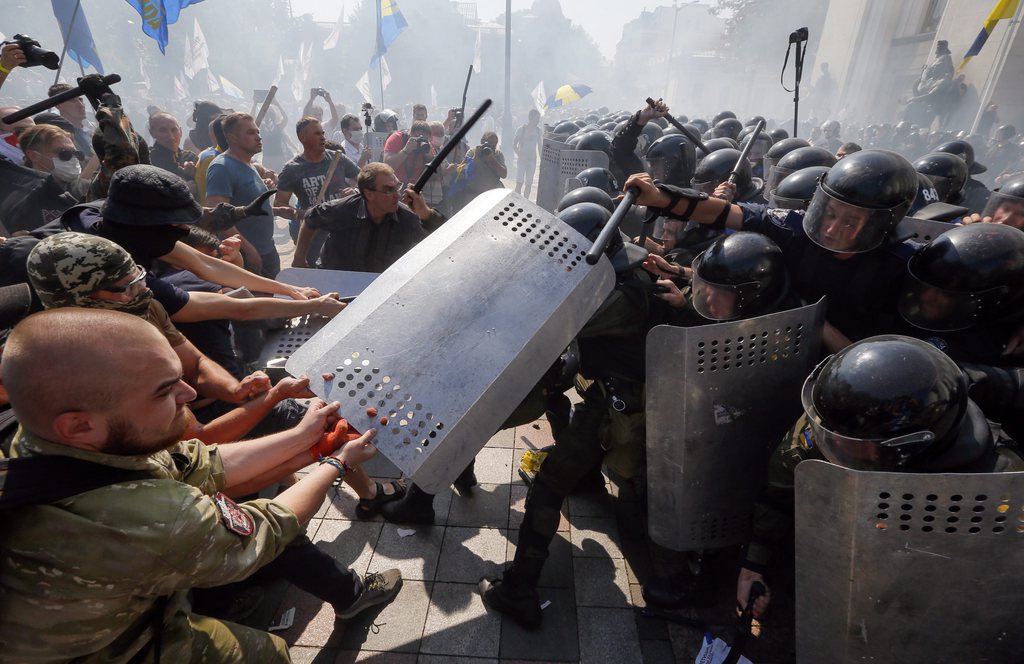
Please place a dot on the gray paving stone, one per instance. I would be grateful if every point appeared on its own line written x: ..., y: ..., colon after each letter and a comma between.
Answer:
x: 311, y: 655
x: 349, y: 542
x: 557, y: 572
x: 534, y: 436
x: 607, y: 636
x: 487, y: 505
x: 601, y: 582
x: 396, y: 627
x: 504, y: 438
x: 416, y: 555
x: 468, y: 554
x: 458, y: 623
x: 556, y: 640
x: 448, y: 659
x: 494, y: 465
x: 594, y: 537
x: 314, y: 621
x: 657, y: 652
x: 375, y: 657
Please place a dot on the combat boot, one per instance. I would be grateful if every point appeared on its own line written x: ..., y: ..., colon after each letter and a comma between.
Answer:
x: 515, y: 593
x: 415, y: 507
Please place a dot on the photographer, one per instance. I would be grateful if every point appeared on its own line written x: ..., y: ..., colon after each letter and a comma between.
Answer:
x: 408, y: 153
x: 11, y: 56
x: 312, y: 110
x: 481, y: 171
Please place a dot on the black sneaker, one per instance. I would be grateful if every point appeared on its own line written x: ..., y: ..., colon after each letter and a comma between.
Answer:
x: 378, y: 588
x: 520, y: 604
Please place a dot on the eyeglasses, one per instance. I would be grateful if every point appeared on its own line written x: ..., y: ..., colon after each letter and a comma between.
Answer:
x: 130, y: 285
x: 389, y: 191
x: 65, y: 154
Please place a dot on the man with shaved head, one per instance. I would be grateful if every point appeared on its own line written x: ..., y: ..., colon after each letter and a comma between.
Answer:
x: 166, y: 151
x: 102, y: 573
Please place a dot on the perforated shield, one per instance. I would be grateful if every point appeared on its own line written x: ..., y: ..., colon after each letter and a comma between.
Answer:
x: 449, y: 340
x: 375, y: 141
x: 719, y: 398
x: 280, y: 344
x: 921, y: 231
x: 897, y: 567
x: 549, y: 188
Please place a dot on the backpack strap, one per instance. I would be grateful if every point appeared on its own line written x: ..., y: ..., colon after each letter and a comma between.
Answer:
x: 45, y: 479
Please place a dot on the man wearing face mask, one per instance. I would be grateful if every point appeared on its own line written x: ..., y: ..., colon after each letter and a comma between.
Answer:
x: 9, y: 135
x: 350, y: 136
x: 50, y: 151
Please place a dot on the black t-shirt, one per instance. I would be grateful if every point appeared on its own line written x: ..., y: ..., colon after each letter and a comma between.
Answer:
x: 355, y: 243
x: 862, y: 290
x: 304, y: 178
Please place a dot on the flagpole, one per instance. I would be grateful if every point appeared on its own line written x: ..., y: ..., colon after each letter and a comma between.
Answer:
x: 380, y: 42
x: 1009, y: 35
x: 71, y: 26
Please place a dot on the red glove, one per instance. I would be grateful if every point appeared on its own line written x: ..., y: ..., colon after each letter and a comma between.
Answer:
x: 334, y: 439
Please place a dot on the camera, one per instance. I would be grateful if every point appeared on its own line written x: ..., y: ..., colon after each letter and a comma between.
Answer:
x: 35, y: 55
x: 798, y: 35
x: 321, y: 92
x: 422, y: 144
x: 367, y: 106
x: 485, y: 150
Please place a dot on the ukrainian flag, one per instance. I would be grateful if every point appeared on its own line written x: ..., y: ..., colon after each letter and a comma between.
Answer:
x: 390, y: 23
x: 1003, y: 9
x: 566, y: 94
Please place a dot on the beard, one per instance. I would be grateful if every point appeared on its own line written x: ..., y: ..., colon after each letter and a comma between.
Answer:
x: 124, y: 439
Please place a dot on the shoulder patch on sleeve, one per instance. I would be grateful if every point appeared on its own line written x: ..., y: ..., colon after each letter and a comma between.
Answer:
x: 234, y: 517
x: 784, y: 218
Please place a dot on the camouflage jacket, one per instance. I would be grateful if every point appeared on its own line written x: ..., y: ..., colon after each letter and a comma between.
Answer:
x: 80, y: 579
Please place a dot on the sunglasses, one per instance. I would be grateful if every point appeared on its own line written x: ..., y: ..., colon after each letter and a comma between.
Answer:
x: 127, y: 287
x: 65, y: 154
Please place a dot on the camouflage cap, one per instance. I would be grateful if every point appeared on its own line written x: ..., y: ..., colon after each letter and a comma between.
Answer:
x: 65, y: 269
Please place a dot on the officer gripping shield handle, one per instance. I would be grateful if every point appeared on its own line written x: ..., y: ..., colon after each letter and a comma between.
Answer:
x: 1005, y: 205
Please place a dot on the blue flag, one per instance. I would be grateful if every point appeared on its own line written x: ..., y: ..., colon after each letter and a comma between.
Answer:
x: 390, y: 23
x: 81, y: 47
x: 158, y: 14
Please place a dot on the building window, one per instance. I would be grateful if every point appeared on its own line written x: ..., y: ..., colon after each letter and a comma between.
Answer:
x: 932, y: 15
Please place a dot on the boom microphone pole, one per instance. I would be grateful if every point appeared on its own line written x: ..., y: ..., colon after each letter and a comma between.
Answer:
x: 798, y: 37
x: 62, y: 97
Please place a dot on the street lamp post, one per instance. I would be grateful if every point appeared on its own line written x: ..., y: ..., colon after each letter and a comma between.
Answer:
x: 506, y: 123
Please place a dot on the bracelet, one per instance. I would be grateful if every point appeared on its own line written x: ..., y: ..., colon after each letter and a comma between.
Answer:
x: 337, y: 464
x: 4, y: 70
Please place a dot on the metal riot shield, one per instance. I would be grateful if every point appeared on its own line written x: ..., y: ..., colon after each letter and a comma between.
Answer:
x: 549, y: 189
x: 443, y: 346
x: 571, y: 162
x: 719, y: 398
x: 281, y: 343
x: 921, y: 231
x: 899, y: 567
x: 375, y: 141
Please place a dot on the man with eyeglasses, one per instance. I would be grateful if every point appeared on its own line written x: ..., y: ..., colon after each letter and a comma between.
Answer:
x: 371, y: 230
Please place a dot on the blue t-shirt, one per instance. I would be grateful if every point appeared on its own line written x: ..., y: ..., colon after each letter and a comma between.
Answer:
x: 241, y: 184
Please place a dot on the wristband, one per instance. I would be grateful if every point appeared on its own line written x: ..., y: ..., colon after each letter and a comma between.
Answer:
x: 339, y: 465
x: 4, y: 70
x: 719, y: 222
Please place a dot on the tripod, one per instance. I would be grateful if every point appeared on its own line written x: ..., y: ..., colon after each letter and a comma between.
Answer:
x: 799, y: 38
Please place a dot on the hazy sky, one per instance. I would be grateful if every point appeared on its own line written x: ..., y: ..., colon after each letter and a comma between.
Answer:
x: 603, y: 19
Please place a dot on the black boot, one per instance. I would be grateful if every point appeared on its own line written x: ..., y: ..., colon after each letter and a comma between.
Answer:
x: 515, y: 593
x: 415, y: 507
x: 466, y: 479
x: 677, y: 584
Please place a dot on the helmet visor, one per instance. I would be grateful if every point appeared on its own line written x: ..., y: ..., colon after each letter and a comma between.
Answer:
x: 776, y: 201
x: 716, y: 301
x: 769, y: 164
x: 937, y: 309
x: 843, y: 227
x: 891, y: 454
x: 777, y: 175
x: 1005, y: 209
x: 707, y: 187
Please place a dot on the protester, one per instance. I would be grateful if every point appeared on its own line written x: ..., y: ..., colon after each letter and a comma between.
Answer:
x: 74, y: 112
x: 166, y: 150
x: 526, y: 145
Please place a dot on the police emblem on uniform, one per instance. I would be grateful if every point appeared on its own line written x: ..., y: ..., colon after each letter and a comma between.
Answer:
x: 780, y: 217
x: 235, y: 518
x: 939, y: 343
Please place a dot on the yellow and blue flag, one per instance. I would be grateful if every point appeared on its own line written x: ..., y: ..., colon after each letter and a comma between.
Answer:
x: 1003, y: 9
x: 566, y: 94
x: 390, y: 23
x: 157, y: 15
x: 74, y: 28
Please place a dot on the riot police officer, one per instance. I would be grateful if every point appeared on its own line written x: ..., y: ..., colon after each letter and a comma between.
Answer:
x: 948, y: 172
x: 975, y: 192
x: 1004, y: 206
x: 797, y: 189
x: 715, y: 168
x: 624, y: 160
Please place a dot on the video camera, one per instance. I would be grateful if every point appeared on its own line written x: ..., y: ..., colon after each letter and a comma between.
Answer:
x: 422, y: 144
x: 798, y: 35
x: 35, y: 55
x: 367, y: 108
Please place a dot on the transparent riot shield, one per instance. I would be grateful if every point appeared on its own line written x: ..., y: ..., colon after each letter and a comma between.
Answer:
x: 439, y: 350
x: 719, y: 399
x: 899, y: 567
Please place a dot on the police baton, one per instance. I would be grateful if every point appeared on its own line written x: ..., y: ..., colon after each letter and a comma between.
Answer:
x: 694, y: 138
x: 611, y: 226
x: 49, y: 103
x: 757, y: 589
x: 436, y: 162
x: 746, y: 150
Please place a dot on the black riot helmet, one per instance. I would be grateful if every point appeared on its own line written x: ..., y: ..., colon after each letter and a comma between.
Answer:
x: 727, y: 128
x: 723, y: 143
x: 599, y: 177
x: 860, y: 200
x: 648, y: 134
x: 926, y: 194
x: 722, y: 115
x: 778, y: 134
x: 797, y: 189
x: 715, y: 168
x: 574, y: 140
x: 948, y: 173
x: 386, y: 120
x: 796, y: 160
x: 609, y: 126
x: 588, y: 219
x: 969, y: 274
x: 672, y: 160
x: 1006, y: 204
x: 566, y: 128
x: 588, y: 194
x: 580, y: 123
x: 778, y: 150
x: 754, y: 120
x: 700, y: 123
x: 885, y: 403
x: 740, y: 275
x: 965, y: 151
x: 595, y: 140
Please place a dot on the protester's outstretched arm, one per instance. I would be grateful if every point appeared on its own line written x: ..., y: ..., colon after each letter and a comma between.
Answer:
x: 233, y: 425
x: 216, y: 306
x: 227, y: 274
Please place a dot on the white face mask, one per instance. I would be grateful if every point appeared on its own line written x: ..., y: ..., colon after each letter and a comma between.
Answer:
x: 357, y: 137
x: 66, y: 171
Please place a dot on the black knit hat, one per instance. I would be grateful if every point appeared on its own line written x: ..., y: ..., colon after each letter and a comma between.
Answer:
x: 144, y: 195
